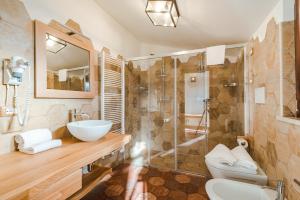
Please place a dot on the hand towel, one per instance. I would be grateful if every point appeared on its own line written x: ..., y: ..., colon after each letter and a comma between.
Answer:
x: 62, y: 75
x: 243, y: 158
x: 33, y: 137
x: 42, y: 147
x: 238, y: 168
x: 222, y: 154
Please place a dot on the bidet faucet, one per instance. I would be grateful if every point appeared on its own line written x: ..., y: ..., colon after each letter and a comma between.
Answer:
x: 279, y: 188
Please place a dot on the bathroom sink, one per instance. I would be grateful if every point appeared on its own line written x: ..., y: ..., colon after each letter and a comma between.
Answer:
x: 223, y: 189
x: 89, y: 130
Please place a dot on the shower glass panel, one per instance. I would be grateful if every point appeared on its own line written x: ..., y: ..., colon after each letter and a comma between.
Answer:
x: 161, y: 113
x: 178, y: 109
x: 192, y: 113
x: 226, y: 105
x: 149, y: 111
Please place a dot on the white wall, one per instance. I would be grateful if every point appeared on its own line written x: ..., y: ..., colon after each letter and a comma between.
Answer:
x: 157, y: 49
x: 95, y: 23
x: 283, y: 11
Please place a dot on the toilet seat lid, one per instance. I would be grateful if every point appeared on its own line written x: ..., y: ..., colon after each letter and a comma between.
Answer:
x: 224, y: 167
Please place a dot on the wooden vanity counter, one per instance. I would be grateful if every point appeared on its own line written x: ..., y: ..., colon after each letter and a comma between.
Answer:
x: 56, y: 173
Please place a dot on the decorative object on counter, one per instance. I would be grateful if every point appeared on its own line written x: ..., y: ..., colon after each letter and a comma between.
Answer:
x: 35, y: 141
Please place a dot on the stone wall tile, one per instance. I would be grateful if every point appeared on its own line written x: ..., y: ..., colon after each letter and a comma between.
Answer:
x: 276, y: 144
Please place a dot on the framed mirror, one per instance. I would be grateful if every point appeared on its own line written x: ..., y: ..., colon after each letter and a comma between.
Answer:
x: 64, y: 65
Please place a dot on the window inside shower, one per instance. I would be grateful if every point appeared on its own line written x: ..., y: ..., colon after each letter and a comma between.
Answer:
x: 177, y: 108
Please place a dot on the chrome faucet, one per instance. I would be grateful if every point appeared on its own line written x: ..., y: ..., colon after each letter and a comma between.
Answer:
x: 75, y: 115
x: 279, y: 188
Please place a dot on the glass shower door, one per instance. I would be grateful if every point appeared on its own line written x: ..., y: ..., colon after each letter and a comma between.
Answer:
x: 150, y: 111
x: 177, y: 109
x: 192, y: 113
x: 161, y: 113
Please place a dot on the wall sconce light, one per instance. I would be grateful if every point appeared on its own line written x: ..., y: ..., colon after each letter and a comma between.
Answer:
x: 53, y: 44
x: 163, y: 12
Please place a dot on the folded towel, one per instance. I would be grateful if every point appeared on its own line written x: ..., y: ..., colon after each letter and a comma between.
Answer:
x: 243, y: 158
x: 222, y: 154
x: 33, y: 137
x: 42, y: 147
x: 238, y: 168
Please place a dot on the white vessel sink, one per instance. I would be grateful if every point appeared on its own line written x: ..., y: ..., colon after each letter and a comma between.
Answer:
x: 89, y: 130
x: 223, y: 189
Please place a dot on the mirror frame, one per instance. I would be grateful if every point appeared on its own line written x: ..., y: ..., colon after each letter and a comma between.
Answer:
x: 41, y: 90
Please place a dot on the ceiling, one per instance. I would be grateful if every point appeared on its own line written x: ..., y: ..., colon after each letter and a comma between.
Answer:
x: 203, y: 22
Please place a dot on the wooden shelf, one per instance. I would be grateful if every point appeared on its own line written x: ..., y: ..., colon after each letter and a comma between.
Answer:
x: 91, y: 180
x: 21, y: 174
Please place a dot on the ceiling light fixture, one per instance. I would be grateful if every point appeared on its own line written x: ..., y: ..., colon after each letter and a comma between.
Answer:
x: 53, y: 44
x: 163, y: 12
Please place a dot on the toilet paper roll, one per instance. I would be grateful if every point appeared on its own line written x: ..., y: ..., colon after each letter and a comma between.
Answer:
x: 242, y: 142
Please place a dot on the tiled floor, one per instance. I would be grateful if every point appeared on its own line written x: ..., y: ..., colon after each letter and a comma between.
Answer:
x: 129, y: 182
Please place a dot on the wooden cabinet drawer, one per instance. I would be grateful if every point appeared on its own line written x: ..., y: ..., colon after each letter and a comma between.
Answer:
x: 58, y: 187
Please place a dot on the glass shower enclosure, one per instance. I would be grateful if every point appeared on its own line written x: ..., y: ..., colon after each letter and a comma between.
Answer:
x: 177, y: 109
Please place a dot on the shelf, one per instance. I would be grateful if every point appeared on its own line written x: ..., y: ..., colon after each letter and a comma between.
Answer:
x: 18, y: 177
x: 91, y: 180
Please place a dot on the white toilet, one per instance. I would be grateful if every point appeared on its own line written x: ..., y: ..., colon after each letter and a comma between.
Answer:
x: 220, y: 169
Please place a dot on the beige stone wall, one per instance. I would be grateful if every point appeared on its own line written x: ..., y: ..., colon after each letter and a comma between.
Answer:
x: 16, y: 38
x: 276, y: 144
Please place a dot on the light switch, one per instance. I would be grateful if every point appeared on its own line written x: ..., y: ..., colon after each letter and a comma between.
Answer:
x: 260, y: 95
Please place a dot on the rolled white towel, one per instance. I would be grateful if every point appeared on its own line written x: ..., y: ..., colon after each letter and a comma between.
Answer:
x: 42, y: 147
x: 243, y: 158
x: 222, y: 154
x: 33, y: 137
